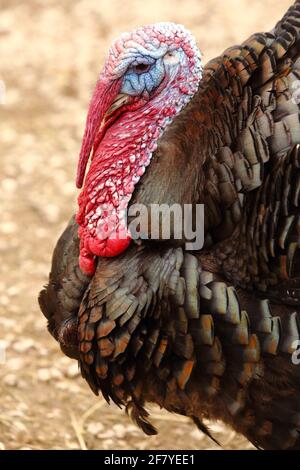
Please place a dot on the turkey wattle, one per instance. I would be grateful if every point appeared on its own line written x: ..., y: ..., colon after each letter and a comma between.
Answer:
x: 149, y: 76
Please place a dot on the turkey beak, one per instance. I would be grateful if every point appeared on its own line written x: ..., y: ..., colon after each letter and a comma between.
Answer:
x: 120, y: 100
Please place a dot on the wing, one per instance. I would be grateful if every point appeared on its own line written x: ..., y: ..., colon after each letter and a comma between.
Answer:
x: 156, y: 327
x: 264, y: 250
x: 248, y: 100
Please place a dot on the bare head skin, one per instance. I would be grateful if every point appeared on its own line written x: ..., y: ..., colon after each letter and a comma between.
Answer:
x: 149, y: 76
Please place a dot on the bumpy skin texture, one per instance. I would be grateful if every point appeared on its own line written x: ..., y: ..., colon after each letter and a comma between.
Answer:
x: 157, y: 324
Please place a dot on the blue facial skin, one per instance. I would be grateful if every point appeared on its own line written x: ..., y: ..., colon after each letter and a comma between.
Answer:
x: 135, y: 82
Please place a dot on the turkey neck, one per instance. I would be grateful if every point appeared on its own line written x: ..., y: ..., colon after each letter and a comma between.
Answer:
x: 119, y: 162
x: 180, y: 167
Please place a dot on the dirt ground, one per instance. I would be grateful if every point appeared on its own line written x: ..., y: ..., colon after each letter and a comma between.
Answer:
x: 50, y: 54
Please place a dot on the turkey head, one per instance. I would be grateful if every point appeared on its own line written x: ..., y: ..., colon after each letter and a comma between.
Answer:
x: 149, y: 76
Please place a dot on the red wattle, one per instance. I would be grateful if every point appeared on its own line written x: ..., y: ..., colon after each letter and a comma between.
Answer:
x: 109, y: 247
x: 87, y: 262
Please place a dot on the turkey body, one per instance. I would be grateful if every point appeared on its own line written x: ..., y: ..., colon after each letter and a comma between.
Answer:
x: 213, y: 334
x: 156, y: 325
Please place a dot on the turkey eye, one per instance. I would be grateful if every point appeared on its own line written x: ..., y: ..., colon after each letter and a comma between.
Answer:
x: 141, y: 68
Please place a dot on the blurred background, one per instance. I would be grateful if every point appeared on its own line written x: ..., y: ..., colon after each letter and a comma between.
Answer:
x: 51, y: 52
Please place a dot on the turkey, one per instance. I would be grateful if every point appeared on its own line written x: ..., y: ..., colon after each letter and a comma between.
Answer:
x: 212, y: 334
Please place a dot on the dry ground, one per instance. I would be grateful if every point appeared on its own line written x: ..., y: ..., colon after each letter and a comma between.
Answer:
x: 50, y: 54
